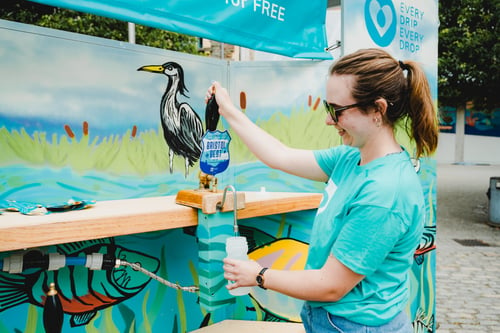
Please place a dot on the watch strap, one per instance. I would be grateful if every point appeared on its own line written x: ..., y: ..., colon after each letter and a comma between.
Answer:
x: 260, y: 278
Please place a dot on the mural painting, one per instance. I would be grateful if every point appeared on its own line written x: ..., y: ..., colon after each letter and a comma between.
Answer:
x: 482, y: 122
x: 447, y: 119
x: 79, y: 123
x: 477, y: 122
x: 103, y: 288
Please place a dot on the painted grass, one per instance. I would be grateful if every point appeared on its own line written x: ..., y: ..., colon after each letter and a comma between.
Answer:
x: 146, y: 152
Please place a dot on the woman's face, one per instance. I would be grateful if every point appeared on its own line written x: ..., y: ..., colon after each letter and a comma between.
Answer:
x: 353, y: 126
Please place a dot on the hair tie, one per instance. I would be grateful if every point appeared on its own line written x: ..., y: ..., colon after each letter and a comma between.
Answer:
x: 403, y: 66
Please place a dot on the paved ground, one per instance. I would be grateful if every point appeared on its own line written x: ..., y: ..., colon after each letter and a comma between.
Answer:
x: 467, y: 277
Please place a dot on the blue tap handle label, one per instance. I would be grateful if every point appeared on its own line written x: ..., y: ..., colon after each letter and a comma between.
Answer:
x: 214, y: 157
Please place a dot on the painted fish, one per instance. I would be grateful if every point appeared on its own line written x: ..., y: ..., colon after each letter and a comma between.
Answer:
x: 427, y: 244
x: 82, y: 291
x: 284, y: 253
x: 291, y: 254
x: 287, y: 254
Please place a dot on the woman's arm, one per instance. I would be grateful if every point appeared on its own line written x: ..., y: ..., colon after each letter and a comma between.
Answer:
x: 265, y: 147
x: 328, y: 284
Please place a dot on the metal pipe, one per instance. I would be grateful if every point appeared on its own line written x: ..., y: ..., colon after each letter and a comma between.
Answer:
x: 235, y: 206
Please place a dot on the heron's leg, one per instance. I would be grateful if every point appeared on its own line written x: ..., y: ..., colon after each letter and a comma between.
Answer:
x: 171, y: 160
x: 186, y: 161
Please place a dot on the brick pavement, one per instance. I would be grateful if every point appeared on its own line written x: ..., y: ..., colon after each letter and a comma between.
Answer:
x: 467, y: 276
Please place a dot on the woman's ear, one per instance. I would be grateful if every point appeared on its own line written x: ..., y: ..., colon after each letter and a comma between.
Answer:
x: 381, y: 105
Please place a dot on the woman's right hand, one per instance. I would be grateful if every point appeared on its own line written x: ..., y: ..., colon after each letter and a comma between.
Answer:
x: 221, y: 96
x: 265, y: 147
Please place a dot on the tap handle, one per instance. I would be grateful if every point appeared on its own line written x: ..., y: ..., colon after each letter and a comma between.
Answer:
x: 212, y: 114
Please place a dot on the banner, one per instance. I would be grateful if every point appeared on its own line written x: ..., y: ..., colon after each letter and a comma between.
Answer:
x: 290, y: 28
x: 407, y: 29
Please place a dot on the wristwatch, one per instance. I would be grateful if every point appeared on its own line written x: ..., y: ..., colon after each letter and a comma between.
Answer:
x: 260, y: 278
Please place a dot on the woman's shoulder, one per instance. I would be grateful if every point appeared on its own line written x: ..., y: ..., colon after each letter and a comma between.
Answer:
x: 396, y: 175
x: 340, y: 150
x: 335, y: 157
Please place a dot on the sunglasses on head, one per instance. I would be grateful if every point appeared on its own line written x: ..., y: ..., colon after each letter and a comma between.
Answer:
x: 335, y: 111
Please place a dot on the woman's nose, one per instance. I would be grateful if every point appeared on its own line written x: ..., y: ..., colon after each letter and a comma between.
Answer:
x: 329, y: 120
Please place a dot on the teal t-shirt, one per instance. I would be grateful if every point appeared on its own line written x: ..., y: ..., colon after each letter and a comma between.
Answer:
x: 371, y: 219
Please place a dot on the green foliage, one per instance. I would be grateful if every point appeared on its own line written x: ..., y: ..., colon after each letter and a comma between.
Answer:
x: 23, y: 11
x: 166, y: 40
x: 468, y: 52
x: 93, y: 25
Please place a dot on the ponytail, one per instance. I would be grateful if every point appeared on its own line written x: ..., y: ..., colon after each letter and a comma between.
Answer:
x: 421, y: 110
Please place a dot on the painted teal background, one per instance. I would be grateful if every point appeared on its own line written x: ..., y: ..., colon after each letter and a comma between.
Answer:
x: 77, y: 120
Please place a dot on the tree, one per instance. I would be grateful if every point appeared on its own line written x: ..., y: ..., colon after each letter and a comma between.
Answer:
x: 468, y: 53
x: 93, y: 25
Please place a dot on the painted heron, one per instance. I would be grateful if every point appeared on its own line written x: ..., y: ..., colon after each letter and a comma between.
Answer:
x: 182, y: 127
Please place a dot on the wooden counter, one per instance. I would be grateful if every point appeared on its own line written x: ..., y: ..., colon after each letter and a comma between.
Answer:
x: 131, y: 216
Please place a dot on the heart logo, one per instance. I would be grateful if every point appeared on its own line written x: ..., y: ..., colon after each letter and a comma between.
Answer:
x: 380, y: 18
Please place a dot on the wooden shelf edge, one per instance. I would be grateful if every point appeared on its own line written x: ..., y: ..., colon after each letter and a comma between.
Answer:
x: 105, y: 219
x: 271, y: 203
x: 132, y: 216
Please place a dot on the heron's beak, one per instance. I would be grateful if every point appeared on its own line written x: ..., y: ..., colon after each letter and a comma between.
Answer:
x: 152, y: 68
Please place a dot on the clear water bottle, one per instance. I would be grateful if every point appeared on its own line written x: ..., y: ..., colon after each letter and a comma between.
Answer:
x: 237, y: 248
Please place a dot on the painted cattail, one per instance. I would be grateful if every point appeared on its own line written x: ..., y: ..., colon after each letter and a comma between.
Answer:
x: 243, y: 101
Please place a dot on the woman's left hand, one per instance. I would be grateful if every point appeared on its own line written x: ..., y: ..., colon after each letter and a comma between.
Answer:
x: 242, y: 272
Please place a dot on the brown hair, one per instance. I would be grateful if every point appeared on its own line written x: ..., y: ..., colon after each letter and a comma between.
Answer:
x: 379, y: 75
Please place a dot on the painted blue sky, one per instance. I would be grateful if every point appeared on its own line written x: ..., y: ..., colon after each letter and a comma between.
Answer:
x: 68, y: 78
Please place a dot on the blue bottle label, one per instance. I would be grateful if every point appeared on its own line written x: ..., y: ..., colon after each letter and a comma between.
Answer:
x: 214, y: 157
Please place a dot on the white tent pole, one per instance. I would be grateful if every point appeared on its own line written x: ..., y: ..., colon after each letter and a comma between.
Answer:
x: 131, y: 32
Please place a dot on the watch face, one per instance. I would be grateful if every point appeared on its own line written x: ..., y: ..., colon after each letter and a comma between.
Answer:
x: 259, y: 279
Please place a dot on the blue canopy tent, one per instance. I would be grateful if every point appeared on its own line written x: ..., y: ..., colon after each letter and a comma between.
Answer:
x: 290, y: 28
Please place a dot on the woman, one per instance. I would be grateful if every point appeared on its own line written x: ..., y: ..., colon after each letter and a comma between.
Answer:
x: 371, y: 217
